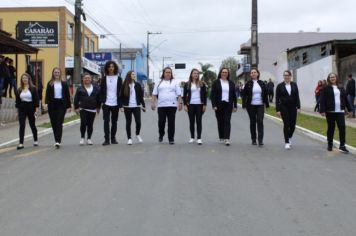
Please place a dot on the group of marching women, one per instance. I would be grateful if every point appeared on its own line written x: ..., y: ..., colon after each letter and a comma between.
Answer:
x: 115, y: 95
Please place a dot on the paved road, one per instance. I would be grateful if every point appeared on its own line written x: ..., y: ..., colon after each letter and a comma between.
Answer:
x: 181, y: 190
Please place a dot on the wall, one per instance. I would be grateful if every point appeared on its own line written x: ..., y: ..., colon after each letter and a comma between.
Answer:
x: 347, y: 66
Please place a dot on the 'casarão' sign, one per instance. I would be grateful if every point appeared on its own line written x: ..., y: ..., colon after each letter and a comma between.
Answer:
x: 39, y: 34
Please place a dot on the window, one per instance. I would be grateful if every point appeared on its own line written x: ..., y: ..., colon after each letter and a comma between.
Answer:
x: 305, y: 58
x: 70, y: 31
x: 323, y: 51
x: 86, y: 43
x: 92, y: 46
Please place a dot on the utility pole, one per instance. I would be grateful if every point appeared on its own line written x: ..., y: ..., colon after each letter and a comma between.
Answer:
x: 254, y: 36
x: 78, y: 41
x: 148, y: 51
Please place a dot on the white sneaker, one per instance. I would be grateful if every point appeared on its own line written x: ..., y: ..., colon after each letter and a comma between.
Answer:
x: 199, y: 142
x: 290, y: 142
x: 89, y: 142
x: 35, y: 143
x: 129, y: 142
x: 139, y: 139
x: 227, y: 142
x: 221, y: 141
x: 287, y: 146
x: 191, y: 140
x: 81, y: 142
x: 57, y: 145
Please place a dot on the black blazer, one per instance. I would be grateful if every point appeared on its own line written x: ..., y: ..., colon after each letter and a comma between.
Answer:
x: 216, y: 94
x: 139, y: 96
x: 350, y: 87
x: 247, y: 93
x: 187, y: 93
x: 327, y: 100
x: 65, y: 94
x: 284, y: 99
x: 84, y: 101
x: 35, y: 99
x: 103, y: 90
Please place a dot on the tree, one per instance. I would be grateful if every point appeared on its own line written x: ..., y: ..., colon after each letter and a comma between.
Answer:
x: 232, y: 64
x: 208, y: 75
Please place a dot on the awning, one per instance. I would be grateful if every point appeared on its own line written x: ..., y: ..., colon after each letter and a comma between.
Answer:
x: 10, y: 45
x: 86, y: 64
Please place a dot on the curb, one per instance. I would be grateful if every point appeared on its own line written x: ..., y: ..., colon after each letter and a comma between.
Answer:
x: 313, y: 134
x: 40, y: 134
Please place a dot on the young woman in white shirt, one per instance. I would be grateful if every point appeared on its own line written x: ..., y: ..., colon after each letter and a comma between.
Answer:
x: 166, y: 96
x: 27, y: 104
x: 194, y: 99
x: 132, y: 100
x: 333, y: 101
x: 224, y: 102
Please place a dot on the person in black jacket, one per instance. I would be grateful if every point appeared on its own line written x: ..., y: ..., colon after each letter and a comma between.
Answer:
x: 351, y: 93
x: 287, y: 104
x: 87, y: 103
x: 131, y: 96
x: 194, y: 99
x: 224, y: 102
x: 333, y: 101
x: 27, y: 104
x: 110, y: 87
x: 254, y: 99
x: 58, y: 103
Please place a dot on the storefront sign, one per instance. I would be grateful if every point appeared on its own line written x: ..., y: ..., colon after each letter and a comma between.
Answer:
x: 40, y: 34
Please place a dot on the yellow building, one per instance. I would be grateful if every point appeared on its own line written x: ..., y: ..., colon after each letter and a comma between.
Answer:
x: 51, y: 29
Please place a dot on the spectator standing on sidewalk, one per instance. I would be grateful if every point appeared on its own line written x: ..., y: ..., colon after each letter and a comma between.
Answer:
x: 287, y: 105
x: 194, y: 99
x: 270, y: 90
x: 87, y: 103
x: 27, y: 104
x: 12, y: 73
x: 132, y: 99
x: 110, y: 87
x: 317, y: 95
x: 333, y: 101
x: 58, y: 103
x: 166, y: 96
x: 350, y: 92
x: 224, y: 102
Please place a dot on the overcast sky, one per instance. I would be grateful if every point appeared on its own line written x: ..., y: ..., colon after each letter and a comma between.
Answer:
x: 201, y: 30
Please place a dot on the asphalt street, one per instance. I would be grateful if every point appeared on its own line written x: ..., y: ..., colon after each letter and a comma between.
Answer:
x: 178, y: 190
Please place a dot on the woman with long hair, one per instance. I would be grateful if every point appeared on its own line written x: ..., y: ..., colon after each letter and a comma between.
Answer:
x: 255, y: 98
x: 194, y: 99
x: 166, y: 96
x: 58, y: 103
x: 224, y: 102
x: 87, y: 103
x: 27, y: 104
x: 131, y: 96
x: 333, y: 101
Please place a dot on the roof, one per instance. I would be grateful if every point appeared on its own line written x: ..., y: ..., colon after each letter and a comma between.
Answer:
x: 10, y: 45
x: 334, y: 42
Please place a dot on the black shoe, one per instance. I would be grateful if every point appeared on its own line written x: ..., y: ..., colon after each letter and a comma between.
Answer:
x: 343, y: 149
x: 330, y: 148
x: 160, y: 139
x: 260, y: 144
x: 20, y: 146
x: 171, y: 142
x: 106, y: 142
x: 114, y: 141
x: 254, y: 142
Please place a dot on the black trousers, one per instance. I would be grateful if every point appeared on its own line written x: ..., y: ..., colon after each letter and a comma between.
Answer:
x: 270, y: 96
x: 114, y: 111
x: 27, y: 110
x: 339, y: 118
x: 56, y: 112
x: 86, y: 123
x: 167, y: 113
x: 195, y: 113
x: 289, y: 117
x: 223, y: 117
x: 136, y: 112
x: 256, y: 114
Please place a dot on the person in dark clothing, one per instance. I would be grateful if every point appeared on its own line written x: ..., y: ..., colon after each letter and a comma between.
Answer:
x: 270, y: 90
x: 110, y: 87
x: 27, y: 107
x: 351, y: 93
x: 194, y: 99
x: 131, y: 96
x: 87, y: 103
x: 287, y: 105
x: 12, y: 72
x: 58, y: 103
x: 255, y: 99
x: 224, y: 102
x: 317, y: 91
x: 4, y: 76
x: 333, y: 101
